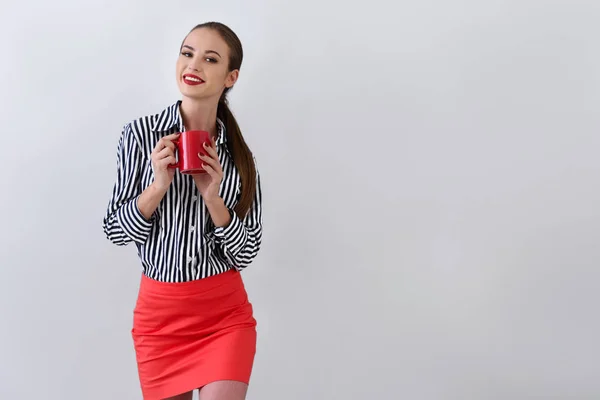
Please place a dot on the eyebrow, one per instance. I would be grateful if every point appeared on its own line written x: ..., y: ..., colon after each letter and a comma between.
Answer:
x: 207, y: 51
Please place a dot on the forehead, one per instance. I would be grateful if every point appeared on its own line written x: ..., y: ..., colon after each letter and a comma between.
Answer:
x: 204, y: 39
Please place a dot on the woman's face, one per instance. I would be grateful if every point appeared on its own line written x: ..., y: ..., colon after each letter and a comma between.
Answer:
x: 202, y: 67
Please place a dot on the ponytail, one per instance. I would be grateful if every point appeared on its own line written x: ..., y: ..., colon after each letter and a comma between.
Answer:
x: 242, y: 158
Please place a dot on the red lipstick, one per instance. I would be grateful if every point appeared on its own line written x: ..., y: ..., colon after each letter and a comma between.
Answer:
x: 192, y: 80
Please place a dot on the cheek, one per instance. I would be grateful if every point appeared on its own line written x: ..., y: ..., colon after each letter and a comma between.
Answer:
x: 214, y: 77
x: 182, y: 62
x: 224, y: 76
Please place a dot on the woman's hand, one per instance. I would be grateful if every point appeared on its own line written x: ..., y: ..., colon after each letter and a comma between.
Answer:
x: 209, y: 183
x: 163, y: 155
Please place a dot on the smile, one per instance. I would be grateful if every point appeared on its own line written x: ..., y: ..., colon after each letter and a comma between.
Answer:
x: 192, y: 79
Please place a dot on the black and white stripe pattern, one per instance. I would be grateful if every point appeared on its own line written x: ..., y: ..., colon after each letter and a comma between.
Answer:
x: 179, y: 243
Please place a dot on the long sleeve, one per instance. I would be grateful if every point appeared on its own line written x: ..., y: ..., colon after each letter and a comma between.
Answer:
x: 123, y: 222
x: 241, y: 239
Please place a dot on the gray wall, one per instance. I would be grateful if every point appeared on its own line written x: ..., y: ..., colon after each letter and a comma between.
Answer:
x: 431, y: 194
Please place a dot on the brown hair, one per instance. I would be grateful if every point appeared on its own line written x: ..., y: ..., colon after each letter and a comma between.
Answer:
x: 242, y: 156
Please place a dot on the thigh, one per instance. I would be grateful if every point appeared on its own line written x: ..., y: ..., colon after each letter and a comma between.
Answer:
x: 224, y: 390
x: 183, y: 396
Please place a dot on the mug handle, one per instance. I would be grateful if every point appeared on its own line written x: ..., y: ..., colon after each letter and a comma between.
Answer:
x: 178, y: 163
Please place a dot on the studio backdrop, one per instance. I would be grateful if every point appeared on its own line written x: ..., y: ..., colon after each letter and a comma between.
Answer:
x: 430, y: 186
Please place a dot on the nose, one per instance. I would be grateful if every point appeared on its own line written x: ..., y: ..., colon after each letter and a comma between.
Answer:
x: 194, y: 65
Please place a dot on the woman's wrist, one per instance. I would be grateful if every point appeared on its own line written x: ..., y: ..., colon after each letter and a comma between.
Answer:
x: 218, y: 211
x: 149, y: 200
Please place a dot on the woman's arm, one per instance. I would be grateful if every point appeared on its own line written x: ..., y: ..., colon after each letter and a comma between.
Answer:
x: 240, y: 239
x: 149, y: 200
x: 219, y: 213
x: 129, y: 213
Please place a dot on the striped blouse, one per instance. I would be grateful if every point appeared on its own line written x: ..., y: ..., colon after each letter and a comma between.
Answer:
x: 179, y: 242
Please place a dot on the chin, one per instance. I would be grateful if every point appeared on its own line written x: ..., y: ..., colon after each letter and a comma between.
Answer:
x: 196, y: 94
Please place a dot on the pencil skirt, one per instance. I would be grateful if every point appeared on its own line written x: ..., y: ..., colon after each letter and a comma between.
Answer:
x: 189, y: 334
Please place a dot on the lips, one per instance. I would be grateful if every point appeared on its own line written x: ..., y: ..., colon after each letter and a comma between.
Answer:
x: 192, y: 80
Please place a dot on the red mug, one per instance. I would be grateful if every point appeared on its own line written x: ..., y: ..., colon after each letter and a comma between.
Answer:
x: 188, y: 145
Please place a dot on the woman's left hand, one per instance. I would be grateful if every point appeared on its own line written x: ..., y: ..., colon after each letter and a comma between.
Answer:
x: 209, y: 183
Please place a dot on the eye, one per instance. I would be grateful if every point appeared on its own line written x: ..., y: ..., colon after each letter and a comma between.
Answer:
x: 186, y: 53
x: 211, y: 60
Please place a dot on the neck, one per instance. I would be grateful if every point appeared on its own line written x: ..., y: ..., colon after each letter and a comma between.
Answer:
x: 199, y: 115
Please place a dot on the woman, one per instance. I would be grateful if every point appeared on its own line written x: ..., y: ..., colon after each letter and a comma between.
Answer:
x: 193, y: 326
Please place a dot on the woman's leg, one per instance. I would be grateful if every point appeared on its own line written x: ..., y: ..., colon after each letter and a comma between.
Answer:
x: 183, y: 396
x: 224, y: 390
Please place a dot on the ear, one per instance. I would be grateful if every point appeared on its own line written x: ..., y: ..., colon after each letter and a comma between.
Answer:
x: 232, y: 78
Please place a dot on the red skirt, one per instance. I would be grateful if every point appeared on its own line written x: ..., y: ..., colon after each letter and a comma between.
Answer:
x: 192, y: 333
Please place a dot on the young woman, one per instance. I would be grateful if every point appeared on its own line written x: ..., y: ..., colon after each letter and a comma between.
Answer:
x: 193, y: 326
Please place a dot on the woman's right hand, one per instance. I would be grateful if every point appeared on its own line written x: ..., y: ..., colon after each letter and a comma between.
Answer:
x: 163, y: 155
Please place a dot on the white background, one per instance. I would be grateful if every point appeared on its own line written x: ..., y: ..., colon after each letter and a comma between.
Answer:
x: 431, y: 190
